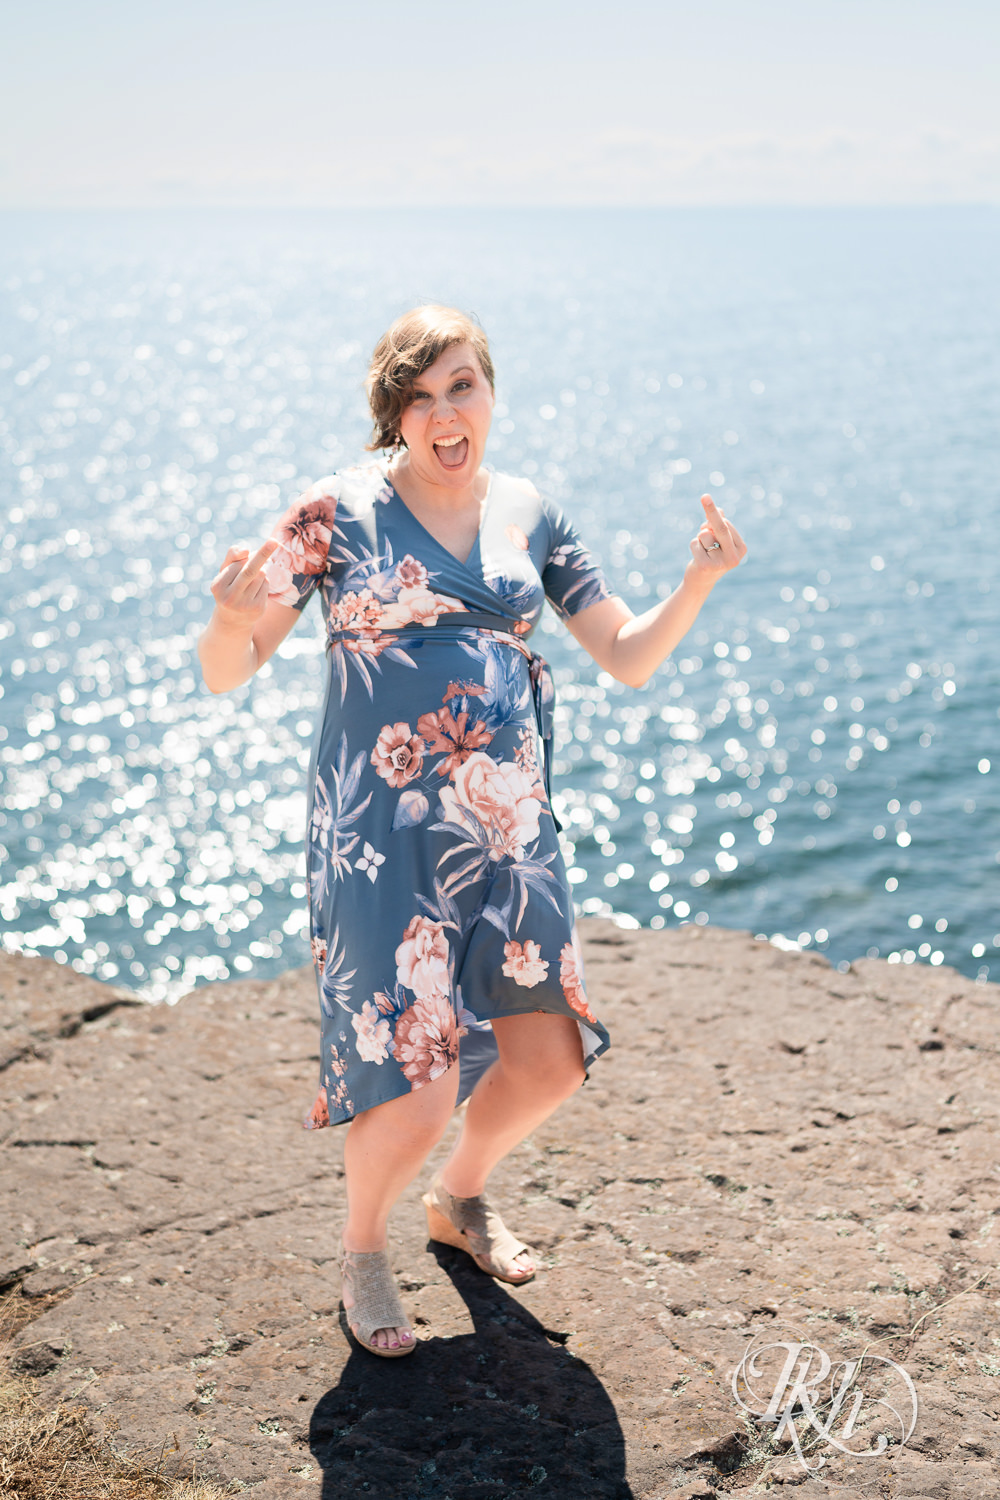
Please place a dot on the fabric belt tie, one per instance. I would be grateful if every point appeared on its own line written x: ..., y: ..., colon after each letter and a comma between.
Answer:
x: 543, y: 690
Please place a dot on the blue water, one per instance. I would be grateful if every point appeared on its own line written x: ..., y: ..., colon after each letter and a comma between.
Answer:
x: 818, y: 763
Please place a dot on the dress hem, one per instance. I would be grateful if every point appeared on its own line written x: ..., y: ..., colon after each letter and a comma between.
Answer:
x: 469, y: 1077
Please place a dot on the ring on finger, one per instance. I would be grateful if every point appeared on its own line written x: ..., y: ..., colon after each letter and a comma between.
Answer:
x: 715, y: 547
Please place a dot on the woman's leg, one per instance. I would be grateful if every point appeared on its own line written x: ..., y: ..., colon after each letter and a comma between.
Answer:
x: 540, y: 1065
x: 385, y: 1148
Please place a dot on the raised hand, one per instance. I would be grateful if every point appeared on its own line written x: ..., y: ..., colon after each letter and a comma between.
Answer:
x: 240, y: 588
x: 718, y: 547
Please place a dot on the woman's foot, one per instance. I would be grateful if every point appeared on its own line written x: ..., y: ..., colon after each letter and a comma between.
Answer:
x: 372, y: 1307
x: 470, y: 1224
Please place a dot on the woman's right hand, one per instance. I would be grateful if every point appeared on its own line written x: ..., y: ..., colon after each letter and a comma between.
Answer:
x: 240, y: 588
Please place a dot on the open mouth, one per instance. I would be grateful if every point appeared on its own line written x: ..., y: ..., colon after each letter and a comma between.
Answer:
x: 452, y: 451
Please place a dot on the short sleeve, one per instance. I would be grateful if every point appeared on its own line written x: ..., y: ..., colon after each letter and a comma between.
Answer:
x: 303, y: 534
x: 571, y: 578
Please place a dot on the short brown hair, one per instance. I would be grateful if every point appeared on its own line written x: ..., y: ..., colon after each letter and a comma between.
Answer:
x: 404, y: 352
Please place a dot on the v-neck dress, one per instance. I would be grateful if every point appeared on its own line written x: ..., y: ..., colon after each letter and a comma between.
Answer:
x: 438, y: 896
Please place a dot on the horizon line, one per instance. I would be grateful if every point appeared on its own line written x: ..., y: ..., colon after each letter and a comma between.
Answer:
x: 187, y: 206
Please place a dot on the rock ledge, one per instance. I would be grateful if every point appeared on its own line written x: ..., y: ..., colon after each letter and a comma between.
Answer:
x: 771, y: 1147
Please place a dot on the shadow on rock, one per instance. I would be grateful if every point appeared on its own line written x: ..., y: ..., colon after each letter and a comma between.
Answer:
x: 505, y: 1410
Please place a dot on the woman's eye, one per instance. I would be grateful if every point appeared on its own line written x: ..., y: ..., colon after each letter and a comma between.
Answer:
x: 461, y: 385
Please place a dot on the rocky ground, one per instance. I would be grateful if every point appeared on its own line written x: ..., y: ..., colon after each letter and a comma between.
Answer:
x: 772, y: 1149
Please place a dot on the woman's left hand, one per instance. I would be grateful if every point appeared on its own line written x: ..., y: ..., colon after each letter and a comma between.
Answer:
x: 717, y: 548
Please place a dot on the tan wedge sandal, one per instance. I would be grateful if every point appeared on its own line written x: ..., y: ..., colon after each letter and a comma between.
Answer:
x: 371, y: 1302
x: 470, y: 1224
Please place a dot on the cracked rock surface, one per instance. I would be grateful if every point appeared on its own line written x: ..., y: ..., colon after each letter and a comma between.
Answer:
x: 771, y: 1149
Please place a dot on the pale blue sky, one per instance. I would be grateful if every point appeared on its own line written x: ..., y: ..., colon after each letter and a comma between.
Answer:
x: 294, y: 102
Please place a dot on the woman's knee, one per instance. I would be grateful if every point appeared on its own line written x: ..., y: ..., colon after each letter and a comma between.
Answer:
x: 565, y: 1074
x: 414, y: 1122
x: 544, y: 1051
x: 417, y: 1134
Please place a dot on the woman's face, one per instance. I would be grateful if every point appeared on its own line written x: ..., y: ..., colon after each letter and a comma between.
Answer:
x: 447, y: 421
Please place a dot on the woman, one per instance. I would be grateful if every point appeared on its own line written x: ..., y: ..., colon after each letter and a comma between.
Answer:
x: 442, y: 925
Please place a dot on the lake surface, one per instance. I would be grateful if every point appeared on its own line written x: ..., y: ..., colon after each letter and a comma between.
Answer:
x: 819, y: 762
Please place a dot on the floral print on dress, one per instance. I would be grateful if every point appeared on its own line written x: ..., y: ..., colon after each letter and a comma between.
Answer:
x: 369, y: 861
x: 422, y: 959
x: 398, y: 754
x: 319, y: 1116
x: 571, y: 978
x: 304, y: 536
x: 440, y: 730
x: 374, y: 1035
x: 524, y: 964
x: 426, y: 1042
x: 497, y: 802
x: 437, y: 892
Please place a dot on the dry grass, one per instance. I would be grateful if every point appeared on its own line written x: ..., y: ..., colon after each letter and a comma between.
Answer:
x: 51, y: 1454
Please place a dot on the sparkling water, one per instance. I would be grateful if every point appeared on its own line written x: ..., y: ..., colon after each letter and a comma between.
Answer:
x: 818, y: 763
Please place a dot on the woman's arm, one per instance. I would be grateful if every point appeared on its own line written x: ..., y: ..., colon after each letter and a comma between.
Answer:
x: 245, y: 628
x: 630, y: 646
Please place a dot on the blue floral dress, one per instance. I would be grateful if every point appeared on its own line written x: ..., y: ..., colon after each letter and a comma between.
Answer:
x: 437, y: 892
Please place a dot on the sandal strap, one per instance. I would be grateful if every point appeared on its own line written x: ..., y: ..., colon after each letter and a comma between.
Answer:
x: 482, y: 1226
x: 367, y: 1276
